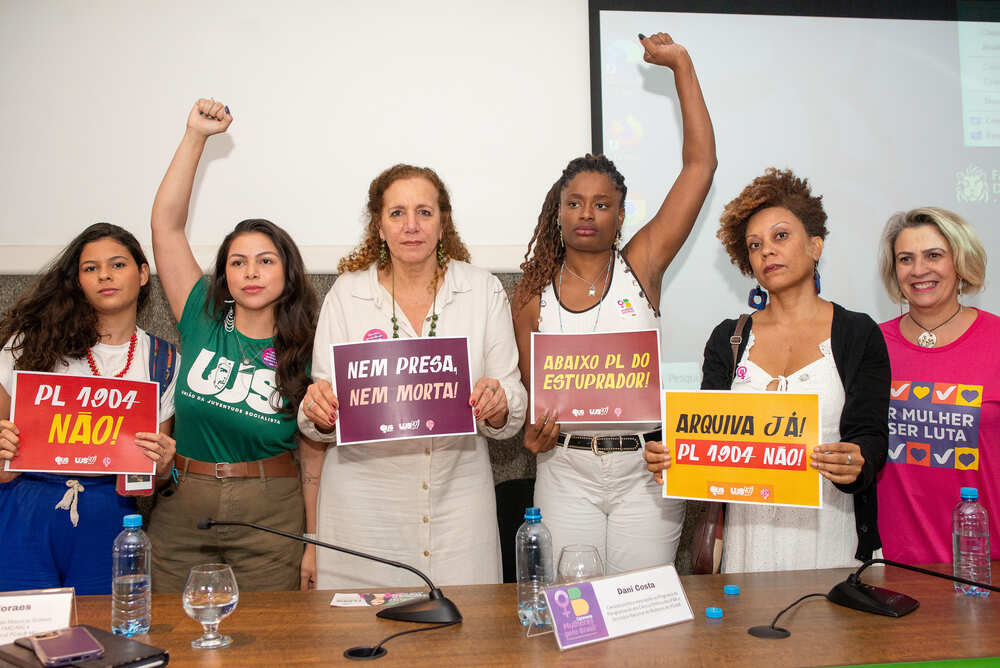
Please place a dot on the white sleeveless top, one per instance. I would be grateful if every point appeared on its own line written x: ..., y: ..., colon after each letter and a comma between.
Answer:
x: 624, y: 308
x: 774, y: 538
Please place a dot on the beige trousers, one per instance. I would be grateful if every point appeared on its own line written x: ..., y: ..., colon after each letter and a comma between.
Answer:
x: 261, y: 561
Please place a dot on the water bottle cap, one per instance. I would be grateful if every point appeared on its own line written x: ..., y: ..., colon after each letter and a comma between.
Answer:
x: 731, y: 590
x: 533, y: 514
x: 132, y: 521
x: 713, y: 613
x: 969, y: 493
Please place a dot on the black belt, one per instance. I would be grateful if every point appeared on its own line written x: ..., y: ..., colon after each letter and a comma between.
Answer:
x: 602, y: 445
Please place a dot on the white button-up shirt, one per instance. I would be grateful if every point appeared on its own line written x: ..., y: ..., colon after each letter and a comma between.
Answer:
x: 427, y: 502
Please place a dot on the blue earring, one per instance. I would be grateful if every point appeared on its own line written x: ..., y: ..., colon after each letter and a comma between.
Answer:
x: 816, y: 278
x: 758, y: 298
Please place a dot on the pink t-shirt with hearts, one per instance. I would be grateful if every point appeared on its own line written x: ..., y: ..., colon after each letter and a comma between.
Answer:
x: 944, y: 434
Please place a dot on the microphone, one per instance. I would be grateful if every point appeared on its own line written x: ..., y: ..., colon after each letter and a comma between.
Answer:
x: 855, y: 594
x: 435, y: 609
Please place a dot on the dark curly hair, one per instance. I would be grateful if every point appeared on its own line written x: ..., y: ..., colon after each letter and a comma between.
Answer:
x: 774, y: 188
x: 295, y: 311
x: 368, y: 251
x: 549, y: 251
x: 54, y: 321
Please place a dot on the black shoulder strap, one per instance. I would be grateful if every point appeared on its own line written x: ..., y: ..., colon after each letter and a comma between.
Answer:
x: 736, y: 339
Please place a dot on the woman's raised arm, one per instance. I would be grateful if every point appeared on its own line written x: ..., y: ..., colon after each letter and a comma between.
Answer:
x: 654, y: 246
x: 175, y: 263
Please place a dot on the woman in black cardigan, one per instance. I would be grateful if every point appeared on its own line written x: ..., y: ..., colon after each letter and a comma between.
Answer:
x: 798, y: 342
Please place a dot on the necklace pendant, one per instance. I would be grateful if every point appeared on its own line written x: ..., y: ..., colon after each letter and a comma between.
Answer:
x: 927, y: 340
x: 592, y: 291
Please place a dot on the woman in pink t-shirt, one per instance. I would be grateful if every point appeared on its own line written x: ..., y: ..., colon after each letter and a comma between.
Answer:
x: 944, y: 408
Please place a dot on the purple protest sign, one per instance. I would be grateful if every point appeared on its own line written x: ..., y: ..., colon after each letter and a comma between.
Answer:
x: 402, y: 388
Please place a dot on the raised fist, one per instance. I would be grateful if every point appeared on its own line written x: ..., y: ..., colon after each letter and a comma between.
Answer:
x: 662, y: 50
x: 209, y: 117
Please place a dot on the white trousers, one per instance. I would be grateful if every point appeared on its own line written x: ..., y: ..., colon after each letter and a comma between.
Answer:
x: 610, y: 502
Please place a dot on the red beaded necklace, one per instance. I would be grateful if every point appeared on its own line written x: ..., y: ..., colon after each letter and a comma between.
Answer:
x: 128, y: 361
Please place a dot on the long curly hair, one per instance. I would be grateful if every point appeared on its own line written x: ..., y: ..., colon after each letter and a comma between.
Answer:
x: 774, y: 188
x: 369, y: 250
x: 295, y: 311
x: 53, y: 322
x: 546, y: 249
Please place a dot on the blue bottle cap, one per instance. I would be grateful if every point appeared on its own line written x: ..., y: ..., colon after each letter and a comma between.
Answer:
x: 132, y: 521
x: 731, y: 590
x: 533, y: 514
x: 713, y: 613
x: 969, y: 493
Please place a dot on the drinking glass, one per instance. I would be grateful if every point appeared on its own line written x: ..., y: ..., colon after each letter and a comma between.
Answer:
x: 209, y: 596
x: 578, y: 563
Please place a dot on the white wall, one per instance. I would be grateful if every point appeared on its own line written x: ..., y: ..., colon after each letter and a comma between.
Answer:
x: 495, y: 97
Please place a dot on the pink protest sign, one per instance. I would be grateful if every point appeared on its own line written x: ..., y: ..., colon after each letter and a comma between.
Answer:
x: 402, y: 388
x: 598, y: 377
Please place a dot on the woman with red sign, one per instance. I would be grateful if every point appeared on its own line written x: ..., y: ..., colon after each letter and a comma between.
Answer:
x: 427, y: 502
x: 247, y: 335
x: 79, y: 318
x: 593, y: 489
x: 798, y: 342
x: 944, y: 404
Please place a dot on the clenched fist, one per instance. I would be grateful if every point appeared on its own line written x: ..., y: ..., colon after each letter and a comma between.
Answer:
x: 209, y: 117
x: 662, y: 50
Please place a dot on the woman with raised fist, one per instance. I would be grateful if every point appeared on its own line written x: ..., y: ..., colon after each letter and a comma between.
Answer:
x: 247, y: 334
x: 591, y: 490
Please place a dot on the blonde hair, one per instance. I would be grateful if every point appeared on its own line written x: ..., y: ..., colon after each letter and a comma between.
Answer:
x: 967, y: 251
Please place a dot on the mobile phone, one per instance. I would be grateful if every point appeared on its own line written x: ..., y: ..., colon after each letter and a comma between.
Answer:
x: 58, y: 648
x: 129, y: 484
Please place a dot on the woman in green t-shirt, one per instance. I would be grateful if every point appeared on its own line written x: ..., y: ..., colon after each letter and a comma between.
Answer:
x: 247, y: 335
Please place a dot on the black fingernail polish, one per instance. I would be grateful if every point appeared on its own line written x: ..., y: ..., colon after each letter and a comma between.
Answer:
x: 641, y: 36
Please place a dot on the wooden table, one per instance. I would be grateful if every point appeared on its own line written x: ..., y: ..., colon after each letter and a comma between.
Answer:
x: 300, y: 628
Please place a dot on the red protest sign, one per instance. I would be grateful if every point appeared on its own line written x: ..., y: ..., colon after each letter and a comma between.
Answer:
x: 82, y: 424
x: 597, y: 377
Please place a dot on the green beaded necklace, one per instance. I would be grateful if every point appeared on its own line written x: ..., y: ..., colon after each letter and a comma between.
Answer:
x: 434, y: 315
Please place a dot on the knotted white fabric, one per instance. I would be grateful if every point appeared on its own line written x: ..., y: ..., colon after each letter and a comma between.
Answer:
x: 69, y: 500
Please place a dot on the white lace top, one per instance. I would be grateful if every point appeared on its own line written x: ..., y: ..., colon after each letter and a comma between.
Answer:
x: 773, y: 538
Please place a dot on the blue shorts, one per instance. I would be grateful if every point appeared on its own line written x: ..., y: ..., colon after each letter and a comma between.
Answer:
x: 40, y: 546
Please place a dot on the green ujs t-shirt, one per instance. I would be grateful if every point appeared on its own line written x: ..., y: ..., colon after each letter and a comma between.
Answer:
x: 226, y: 392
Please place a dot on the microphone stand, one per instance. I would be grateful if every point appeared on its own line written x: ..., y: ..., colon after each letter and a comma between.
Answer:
x: 855, y: 594
x: 435, y: 609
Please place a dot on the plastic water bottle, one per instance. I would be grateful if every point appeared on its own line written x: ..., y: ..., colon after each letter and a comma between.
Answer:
x: 131, y: 600
x: 534, y: 568
x: 971, y: 543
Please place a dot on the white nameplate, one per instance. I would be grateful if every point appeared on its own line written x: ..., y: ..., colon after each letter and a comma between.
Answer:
x: 617, y: 605
x: 25, y: 613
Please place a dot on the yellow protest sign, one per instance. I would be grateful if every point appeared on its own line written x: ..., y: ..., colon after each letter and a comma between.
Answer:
x: 742, y: 447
